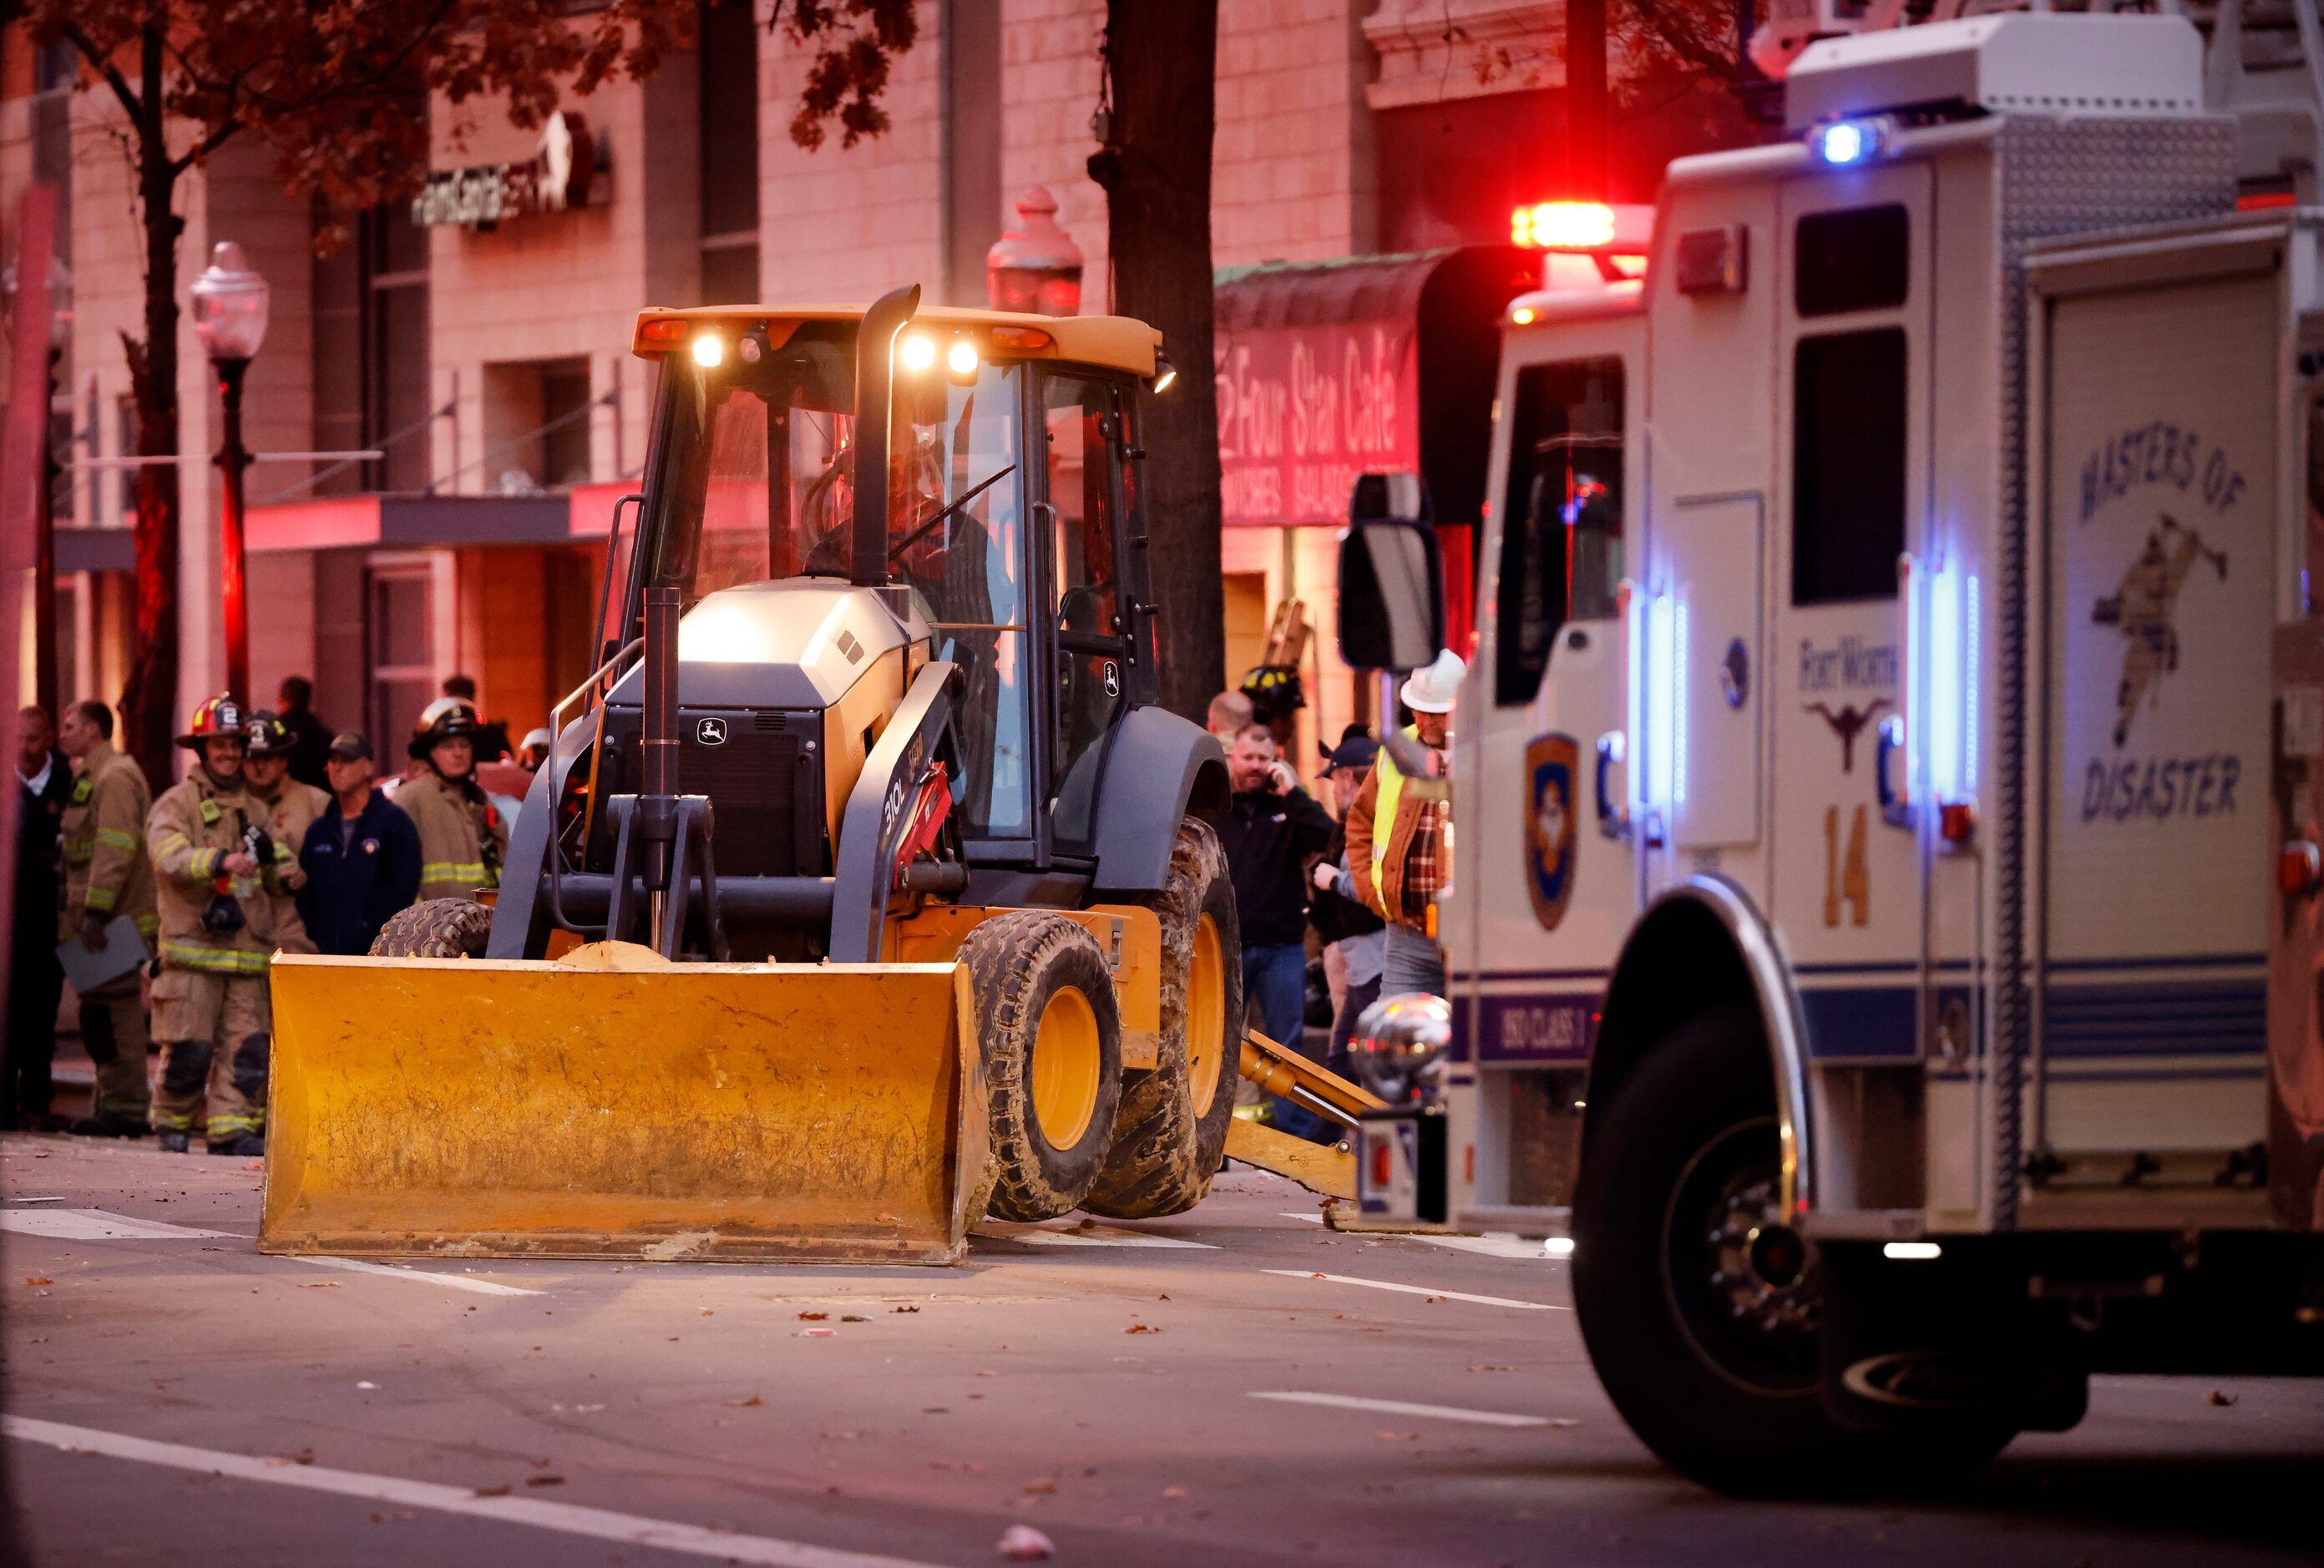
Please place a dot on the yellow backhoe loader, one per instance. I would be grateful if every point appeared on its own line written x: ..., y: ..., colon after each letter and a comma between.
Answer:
x: 866, y: 889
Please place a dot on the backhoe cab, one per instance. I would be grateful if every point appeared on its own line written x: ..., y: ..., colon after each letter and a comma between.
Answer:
x: 865, y: 889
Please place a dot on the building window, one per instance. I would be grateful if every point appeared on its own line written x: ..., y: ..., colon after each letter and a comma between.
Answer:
x: 402, y: 630
x: 730, y: 154
x: 536, y: 426
x: 1847, y: 465
x: 397, y: 363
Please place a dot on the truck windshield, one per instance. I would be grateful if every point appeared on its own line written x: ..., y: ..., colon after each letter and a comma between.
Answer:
x: 752, y: 481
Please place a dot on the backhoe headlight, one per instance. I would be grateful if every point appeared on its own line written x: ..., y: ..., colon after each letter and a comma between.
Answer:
x: 919, y: 352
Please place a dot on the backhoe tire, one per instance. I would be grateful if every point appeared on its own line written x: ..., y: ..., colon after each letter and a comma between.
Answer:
x: 1050, y: 1031
x: 1170, y: 1134
x: 436, y: 928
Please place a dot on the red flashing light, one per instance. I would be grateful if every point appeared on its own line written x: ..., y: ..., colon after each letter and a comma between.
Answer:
x: 1563, y: 225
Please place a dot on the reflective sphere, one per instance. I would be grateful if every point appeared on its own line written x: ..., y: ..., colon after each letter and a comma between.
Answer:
x: 1400, y: 1045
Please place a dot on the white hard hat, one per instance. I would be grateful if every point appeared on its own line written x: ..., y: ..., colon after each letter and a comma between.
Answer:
x: 538, y: 738
x: 1432, y: 690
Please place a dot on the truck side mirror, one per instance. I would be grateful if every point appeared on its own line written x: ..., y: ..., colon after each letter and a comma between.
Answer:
x: 1391, y: 577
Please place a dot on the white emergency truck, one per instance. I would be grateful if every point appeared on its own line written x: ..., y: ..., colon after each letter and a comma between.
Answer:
x: 1885, y: 929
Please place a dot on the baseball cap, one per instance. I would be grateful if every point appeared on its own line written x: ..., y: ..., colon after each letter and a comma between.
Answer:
x: 1354, y: 753
x: 349, y: 746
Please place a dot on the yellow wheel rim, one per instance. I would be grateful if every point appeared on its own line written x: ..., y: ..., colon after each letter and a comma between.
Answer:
x: 1206, y: 1014
x: 1065, y: 1067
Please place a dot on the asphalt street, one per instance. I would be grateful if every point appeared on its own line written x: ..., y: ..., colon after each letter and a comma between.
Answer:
x: 1234, y: 1386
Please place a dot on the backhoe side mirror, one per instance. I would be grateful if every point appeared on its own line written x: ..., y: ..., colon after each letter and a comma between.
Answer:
x: 1392, y: 575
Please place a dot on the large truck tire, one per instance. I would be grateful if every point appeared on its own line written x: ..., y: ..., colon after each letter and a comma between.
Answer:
x: 1171, y: 1132
x: 1699, y: 1313
x: 1050, y: 1032
x: 436, y: 928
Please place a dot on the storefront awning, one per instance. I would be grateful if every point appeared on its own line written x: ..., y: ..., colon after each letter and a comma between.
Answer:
x: 418, y: 522
x: 1327, y: 370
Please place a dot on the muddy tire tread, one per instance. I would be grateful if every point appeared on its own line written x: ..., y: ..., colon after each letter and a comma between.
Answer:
x: 436, y: 928
x: 1006, y: 957
x: 1164, y: 1155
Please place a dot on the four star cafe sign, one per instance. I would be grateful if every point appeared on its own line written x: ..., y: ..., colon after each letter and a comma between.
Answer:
x: 557, y: 176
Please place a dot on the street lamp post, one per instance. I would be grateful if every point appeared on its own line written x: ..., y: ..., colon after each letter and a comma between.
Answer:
x: 1036, y: 267
x: 230, y: 303
x: 45, y: 513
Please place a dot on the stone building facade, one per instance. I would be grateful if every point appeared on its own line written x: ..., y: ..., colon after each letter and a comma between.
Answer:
x: 490, y: 363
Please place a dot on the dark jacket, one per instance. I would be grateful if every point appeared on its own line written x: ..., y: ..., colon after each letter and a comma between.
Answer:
x: 40, y: 873
x: 1336, y: 919
x: 310, y: 747
x: 1267, y: 838
x: 356, y: 883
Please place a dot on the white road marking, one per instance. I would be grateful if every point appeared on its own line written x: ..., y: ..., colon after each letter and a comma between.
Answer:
x: 1418, y: 1290
x: 394, y: 1272
x: 95, y: 1225
x: 35, y: 1200
x: 600, y: 1524
x: 1097, y: 1236
x: 1497, y: 1244
x: 1399, y: 1408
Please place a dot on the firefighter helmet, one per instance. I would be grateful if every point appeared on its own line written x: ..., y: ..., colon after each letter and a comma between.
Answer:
x: 268, y: 736
x: 445, y: 719
x: 219, y: 716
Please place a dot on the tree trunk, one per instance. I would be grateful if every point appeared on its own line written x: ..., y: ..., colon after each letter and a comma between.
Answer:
x: 1155, y: 169
x: 149, y: 701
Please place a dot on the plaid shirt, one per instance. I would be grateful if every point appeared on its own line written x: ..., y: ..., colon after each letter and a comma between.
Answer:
x: 1424, y: 864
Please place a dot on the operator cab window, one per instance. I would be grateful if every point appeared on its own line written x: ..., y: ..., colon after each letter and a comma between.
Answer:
x: 1562, y: 516
x: 1081, y: 418
x: 1847, y: 465
x: 757, y: 482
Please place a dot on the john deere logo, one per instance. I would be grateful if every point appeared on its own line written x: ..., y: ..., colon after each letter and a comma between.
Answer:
x: 1550, y: 826
x: 711, y: 732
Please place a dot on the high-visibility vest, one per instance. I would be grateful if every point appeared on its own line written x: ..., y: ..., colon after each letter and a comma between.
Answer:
x: 1384, y: 805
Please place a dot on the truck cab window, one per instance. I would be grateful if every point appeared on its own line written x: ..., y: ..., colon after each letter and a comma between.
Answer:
x: 1847, y: 465
x: 1561, y: 515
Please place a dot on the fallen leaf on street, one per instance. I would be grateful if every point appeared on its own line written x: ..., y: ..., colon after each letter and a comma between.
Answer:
x: 2219, y: 1399
x: 903, y: 1309
x: 1142, y: 1328
x: 544, y: 1481
x: 1024, y: 1543
x: 745, y: 1403
x: 38, y: 1279
x: 707, y: 1313
x: 321, y: 1285
x: 1174, y: 1491
x: 813, y: 1316
x: 399, y: 1514
x: 1040, y: 1488
x: 1488, y: 1367
x: 851, y: 1317
x: 492, y: 1492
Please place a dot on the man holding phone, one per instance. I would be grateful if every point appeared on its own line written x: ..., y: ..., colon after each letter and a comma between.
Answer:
x: 1268, y: 833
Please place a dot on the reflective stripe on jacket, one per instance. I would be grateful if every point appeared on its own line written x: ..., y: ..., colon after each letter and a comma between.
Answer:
x: 462, y: 841
x: 193, y: 828
x: 107, y: 871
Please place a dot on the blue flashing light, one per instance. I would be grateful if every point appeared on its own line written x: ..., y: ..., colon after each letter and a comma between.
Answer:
x: 1843, y: 144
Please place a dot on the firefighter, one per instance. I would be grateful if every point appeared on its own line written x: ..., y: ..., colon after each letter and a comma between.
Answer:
x: 107, y: 877
x: 290, y: 808
x: 224, y: 908
x: 462, y: 837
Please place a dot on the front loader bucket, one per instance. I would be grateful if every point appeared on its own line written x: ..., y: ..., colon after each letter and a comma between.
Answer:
x: 613, y: 1105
